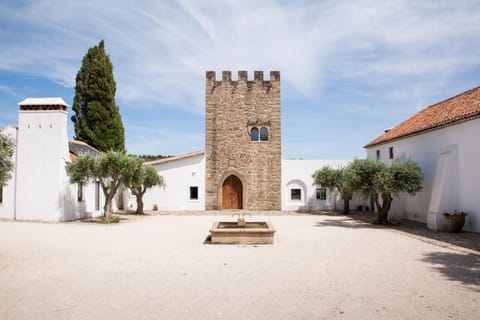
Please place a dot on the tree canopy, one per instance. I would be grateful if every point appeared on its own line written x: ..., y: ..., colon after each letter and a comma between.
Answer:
x: 6, y: 162
x: 143, y: 178
x: 111, y: 169
x: 333, y: 179
x: 383, y: 182
x: 97, y: 119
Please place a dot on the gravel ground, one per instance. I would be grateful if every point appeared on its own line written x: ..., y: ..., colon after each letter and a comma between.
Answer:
x: 158, y: 267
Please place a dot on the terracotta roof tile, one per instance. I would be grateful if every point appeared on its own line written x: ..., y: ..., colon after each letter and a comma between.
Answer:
x: 77, y: 147
x: 454, y: 110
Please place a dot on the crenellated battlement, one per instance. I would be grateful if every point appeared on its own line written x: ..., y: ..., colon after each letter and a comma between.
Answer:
x: 242, y: 76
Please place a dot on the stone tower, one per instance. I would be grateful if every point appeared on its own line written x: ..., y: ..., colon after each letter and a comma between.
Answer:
x: 243, y: 142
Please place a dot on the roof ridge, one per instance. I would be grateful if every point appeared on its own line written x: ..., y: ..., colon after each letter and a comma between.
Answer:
x: 460, y: 108
x: 447, y: 99
x: 175, y: 158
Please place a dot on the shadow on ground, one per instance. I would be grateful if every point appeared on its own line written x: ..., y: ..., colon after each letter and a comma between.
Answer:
x: 346, y: 222
x: 469, y: 241
x: 464, y: 268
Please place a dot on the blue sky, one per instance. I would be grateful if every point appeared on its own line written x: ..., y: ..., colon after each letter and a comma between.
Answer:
x: 349, y: 69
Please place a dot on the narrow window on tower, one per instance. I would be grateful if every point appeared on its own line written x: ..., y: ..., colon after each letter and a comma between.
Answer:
x: 254, y: 134
x: 263, y: 134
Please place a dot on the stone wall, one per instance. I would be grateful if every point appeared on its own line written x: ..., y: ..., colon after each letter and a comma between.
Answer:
x: 232, y: 109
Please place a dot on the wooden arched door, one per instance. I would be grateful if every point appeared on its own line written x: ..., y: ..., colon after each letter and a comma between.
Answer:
x: 232, y: 193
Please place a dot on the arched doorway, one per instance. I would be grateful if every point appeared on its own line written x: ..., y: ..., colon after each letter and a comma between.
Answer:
x: 232, y: 193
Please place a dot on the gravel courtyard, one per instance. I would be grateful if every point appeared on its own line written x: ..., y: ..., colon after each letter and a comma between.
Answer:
x: 158, y: 267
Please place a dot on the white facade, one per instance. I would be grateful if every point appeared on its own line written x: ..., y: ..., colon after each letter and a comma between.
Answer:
x: 188, y: 171
x: 449, y: 160
x: 182, y: 175
x: 297, y: 175
x: 39, y: 189
x: 42, y: 150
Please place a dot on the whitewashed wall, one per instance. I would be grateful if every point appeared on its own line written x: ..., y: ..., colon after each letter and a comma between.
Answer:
x: 298, y: 174
x: 75, y: 209
x: 39, y: 188
x: 42, y: 153
x: 449, y: 159
x: 179, y: 175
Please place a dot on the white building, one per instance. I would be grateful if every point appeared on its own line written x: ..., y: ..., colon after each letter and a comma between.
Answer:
x: 39, y: 188
x: 443, y: 140
x: 299, y: 192
x: 185, y: 185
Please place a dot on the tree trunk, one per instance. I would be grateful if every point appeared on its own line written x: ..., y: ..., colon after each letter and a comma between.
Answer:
x: 346, y: 205
x: 334, y: 201
x: 139, y: 197
x: 108, y: 206
x: 382, y: 210
x: 109, y: 193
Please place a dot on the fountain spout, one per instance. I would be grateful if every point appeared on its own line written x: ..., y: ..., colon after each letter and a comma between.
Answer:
x: 241, y: 218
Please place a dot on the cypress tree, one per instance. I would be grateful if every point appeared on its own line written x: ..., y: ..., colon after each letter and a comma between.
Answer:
x: 97, y: 117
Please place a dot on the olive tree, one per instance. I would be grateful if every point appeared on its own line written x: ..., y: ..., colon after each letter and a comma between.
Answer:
x: 6, y: 163
x: 143, y: 178
x: 335, y: 179
x: 110, y: 169
x: 382, y: 182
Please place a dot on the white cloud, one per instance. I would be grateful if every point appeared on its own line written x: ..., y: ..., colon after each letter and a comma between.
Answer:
x: 161, y: 51
x: 407, y: 51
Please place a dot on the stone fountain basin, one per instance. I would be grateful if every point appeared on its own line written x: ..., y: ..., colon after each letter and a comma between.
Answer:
x: 255, y: 232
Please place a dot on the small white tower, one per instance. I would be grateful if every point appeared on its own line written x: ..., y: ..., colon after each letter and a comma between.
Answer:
x: 42, y: 152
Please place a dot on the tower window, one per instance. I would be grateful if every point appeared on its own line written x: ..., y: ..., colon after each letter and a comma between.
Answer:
x: 254, y: 134
x: 193, y: 193
x: 378, y: 154
x: 263, y: 134
x: 259, y: 135
x: 390, y: 153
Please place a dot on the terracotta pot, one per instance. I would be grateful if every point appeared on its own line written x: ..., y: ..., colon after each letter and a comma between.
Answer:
x: 455, y: 222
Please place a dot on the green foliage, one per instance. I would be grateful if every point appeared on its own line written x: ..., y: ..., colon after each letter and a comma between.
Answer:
x: 111, y: 169
x: 335, y: 179
x: 6, y: 163
x: 103, y: 220
x: 327, y: 177
x: 97, y: 118
x: 404, y: 177
x: 382, y: 182
x: 143, y: 178
x: 147, y: 157
x: 371, y: 177
x: 361, y: 174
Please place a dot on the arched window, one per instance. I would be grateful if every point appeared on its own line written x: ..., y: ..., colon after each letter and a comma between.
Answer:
x: 254, y: 134
x: 263, y: 134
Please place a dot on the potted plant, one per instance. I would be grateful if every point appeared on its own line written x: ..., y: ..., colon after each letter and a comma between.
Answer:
x: 455, y: 220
